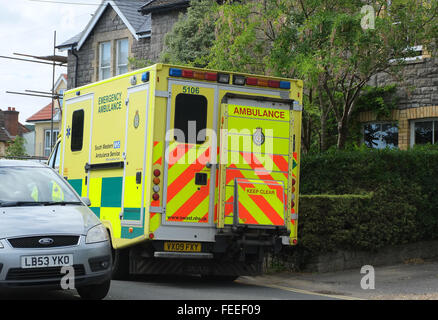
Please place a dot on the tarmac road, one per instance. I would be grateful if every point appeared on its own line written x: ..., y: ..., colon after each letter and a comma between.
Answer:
x: 175, y: 288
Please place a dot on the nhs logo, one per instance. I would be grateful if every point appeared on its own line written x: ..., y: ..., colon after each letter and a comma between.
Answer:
x: 116, y: 144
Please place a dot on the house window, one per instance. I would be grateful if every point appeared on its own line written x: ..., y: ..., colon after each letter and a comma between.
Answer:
x: 190, y: 118
x: 104, y: 60
x: 47, y: 138
x: 424, y: 131
x: 61, y: 97
x: 381, y: 135
x: 122, y: 56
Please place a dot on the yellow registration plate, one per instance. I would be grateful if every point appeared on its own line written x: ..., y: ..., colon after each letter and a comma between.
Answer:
x: 182, y: 246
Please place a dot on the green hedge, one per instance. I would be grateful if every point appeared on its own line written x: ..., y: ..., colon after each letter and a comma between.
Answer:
x: 367, y: 199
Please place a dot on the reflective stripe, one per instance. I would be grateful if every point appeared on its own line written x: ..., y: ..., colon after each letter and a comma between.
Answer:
x: 184, y: 205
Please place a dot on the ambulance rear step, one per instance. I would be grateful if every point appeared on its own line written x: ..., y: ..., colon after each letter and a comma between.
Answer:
x: 183, y: 255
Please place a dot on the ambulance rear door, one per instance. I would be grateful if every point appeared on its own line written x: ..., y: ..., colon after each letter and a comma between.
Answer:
x: 191, y: 151
x: 256, y: 162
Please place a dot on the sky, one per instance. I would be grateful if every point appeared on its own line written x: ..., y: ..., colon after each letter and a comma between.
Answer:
x: 27, y: 26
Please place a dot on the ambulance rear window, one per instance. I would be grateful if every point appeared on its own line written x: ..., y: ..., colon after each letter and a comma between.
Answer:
x: 190, y: 109
x: 77, y: 130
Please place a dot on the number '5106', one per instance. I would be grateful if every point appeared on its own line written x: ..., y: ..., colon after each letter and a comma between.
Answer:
x: 191, y: 90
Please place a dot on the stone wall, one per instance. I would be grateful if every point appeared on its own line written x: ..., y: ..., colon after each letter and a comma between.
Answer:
x: 162, y: 23
x: 110, y: 27
x: 417, y: 91
x: 417, y: 85
x: 344, y: 260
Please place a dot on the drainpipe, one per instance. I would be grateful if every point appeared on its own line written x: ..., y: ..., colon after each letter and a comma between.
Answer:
x: 76, y: 66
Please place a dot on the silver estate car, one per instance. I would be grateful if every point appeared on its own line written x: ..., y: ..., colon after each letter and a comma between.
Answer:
x: 49, y: 238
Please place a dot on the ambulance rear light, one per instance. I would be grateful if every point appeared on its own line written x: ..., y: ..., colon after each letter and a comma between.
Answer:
x: 151, y: 236
x: 292, y: 203
x: 223, y: 78
x: 262, y: 82
x: 251, y: 81
x: 145, y: 77
x: 274, y: 83
x: 293, y: 182
x: 187, y: 73
x: 155, y: 196
x: 199, y: 75
x: 156, y: 180
x: 238, y: 80
x: 211, y: 76
x: 157, y: 172
x: 284, y: 85
x: 173, y: 72
x: 257, y: 82
x: 294, y: 241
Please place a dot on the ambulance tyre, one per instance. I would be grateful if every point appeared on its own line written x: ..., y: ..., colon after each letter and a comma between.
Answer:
x: 95, y: 292
x: 120, y: 269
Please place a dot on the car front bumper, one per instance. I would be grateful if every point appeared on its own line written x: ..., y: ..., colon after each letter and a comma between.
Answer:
x: 87, y: 266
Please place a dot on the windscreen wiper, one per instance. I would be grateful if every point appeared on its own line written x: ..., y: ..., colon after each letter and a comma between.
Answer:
x: 20, y: 203
x: 37, y: 203
x: 61, y: 203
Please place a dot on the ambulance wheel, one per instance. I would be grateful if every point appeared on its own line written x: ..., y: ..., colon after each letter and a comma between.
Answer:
x: 120, y: 269
x: 95, y: 291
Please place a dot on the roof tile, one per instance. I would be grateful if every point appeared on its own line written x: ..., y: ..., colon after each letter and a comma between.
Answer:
x: 43, y: 114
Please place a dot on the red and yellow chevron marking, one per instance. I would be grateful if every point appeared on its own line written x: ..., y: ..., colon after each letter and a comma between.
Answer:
x: 187, y: 202
x: 259, y: 202
x: 158, y: 153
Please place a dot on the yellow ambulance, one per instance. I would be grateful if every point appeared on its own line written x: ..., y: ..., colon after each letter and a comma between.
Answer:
x: 191, y: 170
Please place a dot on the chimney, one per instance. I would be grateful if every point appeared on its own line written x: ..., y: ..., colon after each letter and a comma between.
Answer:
x: 11, y: 121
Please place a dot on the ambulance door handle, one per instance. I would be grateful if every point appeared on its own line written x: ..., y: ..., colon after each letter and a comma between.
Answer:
x: 209, y: 165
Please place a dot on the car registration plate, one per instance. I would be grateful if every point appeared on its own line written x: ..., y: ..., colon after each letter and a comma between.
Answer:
x: 182, y: 246
x: 46, y: 261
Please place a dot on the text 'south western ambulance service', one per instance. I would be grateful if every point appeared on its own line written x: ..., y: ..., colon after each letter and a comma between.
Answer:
x: 190, y: 170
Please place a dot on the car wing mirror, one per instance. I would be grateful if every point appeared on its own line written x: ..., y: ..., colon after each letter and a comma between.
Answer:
x: 86, y: 201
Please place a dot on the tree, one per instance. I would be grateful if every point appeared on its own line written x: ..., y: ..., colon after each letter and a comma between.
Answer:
x: 335, y: 46
x: 192, y: 35
x: 16, y: 148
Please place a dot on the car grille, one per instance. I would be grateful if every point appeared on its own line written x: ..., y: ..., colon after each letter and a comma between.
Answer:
x: 42, y: 273
x: 33, y: 242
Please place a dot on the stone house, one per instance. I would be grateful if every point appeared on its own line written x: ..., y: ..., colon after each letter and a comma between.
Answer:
x: 10, y: 128
x: 119, y: 30
x: 415, y: 121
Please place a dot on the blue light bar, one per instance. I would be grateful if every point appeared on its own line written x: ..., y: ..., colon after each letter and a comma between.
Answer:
x: 175, y: 72
x: 284, y: 84
x: 145, y: 77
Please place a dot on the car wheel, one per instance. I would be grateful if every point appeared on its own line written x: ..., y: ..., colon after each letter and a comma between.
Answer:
x: 95, y: 291
x: 120, y: 269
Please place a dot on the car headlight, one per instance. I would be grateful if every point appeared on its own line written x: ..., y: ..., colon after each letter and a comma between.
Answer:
x: 97, y: 234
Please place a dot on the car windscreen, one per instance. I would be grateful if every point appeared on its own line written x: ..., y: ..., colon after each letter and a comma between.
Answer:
x: 25, y: 185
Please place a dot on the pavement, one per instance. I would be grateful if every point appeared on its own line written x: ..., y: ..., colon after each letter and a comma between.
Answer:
x: 415, y: 279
